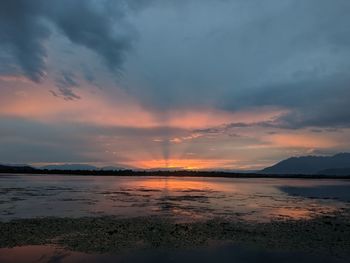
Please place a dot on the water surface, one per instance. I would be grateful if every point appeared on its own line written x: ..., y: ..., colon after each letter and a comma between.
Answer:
x: 185, y: 198
x: 223, y: 254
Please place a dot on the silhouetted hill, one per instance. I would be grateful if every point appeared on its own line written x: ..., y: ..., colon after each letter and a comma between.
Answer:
x: 79, y: 167
x: 71, y: 167
x: 12, y: 169
x: 17, y: 169
x: 111, y: 168
x: 309, y: 164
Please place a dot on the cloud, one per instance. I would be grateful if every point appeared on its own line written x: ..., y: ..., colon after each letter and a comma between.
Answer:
x: 98, y: 26
x: 27, y: 141
x: 65, y: 83
x: 167, y: 68
x: 313, y: 102
x: 22, y: 34
x: 93, y: 26
x: 247, y: 54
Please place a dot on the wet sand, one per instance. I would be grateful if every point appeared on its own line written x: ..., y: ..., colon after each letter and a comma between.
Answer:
x: 328, y: 235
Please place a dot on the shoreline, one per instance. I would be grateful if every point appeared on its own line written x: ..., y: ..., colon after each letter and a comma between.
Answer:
x: 329, y: 235
x: 176, y: 174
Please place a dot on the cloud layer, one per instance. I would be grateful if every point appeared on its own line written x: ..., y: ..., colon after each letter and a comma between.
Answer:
x: 26, y: 26
x: 290, y: 54
x: 231, y: 83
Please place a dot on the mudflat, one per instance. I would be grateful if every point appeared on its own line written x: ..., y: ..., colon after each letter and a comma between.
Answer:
x: 328, y: 235
x: 109, y: 219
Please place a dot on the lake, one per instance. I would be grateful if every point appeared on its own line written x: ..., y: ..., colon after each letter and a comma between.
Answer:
x: 182, y: 199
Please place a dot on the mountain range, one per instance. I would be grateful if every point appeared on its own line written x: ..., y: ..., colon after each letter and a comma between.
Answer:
x: 79, y: 167
x: 17, y: 168
x: 338, y: 164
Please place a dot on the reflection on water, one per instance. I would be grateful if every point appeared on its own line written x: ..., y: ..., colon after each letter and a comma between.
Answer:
x: 340, y: 192
x: 225, y: 253
x: 181, y: 198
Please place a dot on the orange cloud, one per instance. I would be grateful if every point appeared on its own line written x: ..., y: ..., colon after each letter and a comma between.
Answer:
x: 15, y: 79
x: 114, y: 108
x: 208, y: 117
x: 189, y: 164
x: 95, y: 108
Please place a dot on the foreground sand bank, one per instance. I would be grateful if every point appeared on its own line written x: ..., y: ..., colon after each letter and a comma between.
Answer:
x: 329, y: 235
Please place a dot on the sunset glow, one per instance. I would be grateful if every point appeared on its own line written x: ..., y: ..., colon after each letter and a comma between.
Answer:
x: 170, y: 130
x: 126, y: 100
x: 188, y: 164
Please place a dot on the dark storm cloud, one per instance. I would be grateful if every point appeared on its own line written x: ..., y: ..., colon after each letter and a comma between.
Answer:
x: 25, y: 25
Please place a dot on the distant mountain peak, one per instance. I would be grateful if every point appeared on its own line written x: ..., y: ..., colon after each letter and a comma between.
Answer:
x: 310, y: 164
x: 77, y: 166
x: 73, y: 166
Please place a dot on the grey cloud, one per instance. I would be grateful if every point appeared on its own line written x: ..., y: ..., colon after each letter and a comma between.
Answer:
x: 291, y: 54
x: 315, y: 111
x: 288, y: 121
x: 86, y: 24
x: 30, y: 141
x: 88, y: 74
x: 318, y: 102
x: 133, y: 131
x: 22, y: 34
x: 65, y: 83
x: 147, y: 135
x: 323, y: 117
x: 24, y: 28
x: 226, y: 128
x: 26, y: 141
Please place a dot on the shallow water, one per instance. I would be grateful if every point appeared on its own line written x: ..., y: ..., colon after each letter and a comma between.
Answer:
x: 224, y: 253
x: 185, y: 198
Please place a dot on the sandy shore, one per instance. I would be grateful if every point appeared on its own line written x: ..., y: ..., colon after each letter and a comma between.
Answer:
x: 329, y: 235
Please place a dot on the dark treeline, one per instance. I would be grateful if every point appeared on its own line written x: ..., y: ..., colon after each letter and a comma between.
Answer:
x: 179, y: 173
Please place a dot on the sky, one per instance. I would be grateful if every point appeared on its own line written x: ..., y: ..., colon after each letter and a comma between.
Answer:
x: 182, y: 84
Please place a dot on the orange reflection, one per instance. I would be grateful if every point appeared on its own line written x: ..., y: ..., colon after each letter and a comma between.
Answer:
x: 293, y: 213
x: 301, y: 213
x: 41, y: 253
x: 175, y: 184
